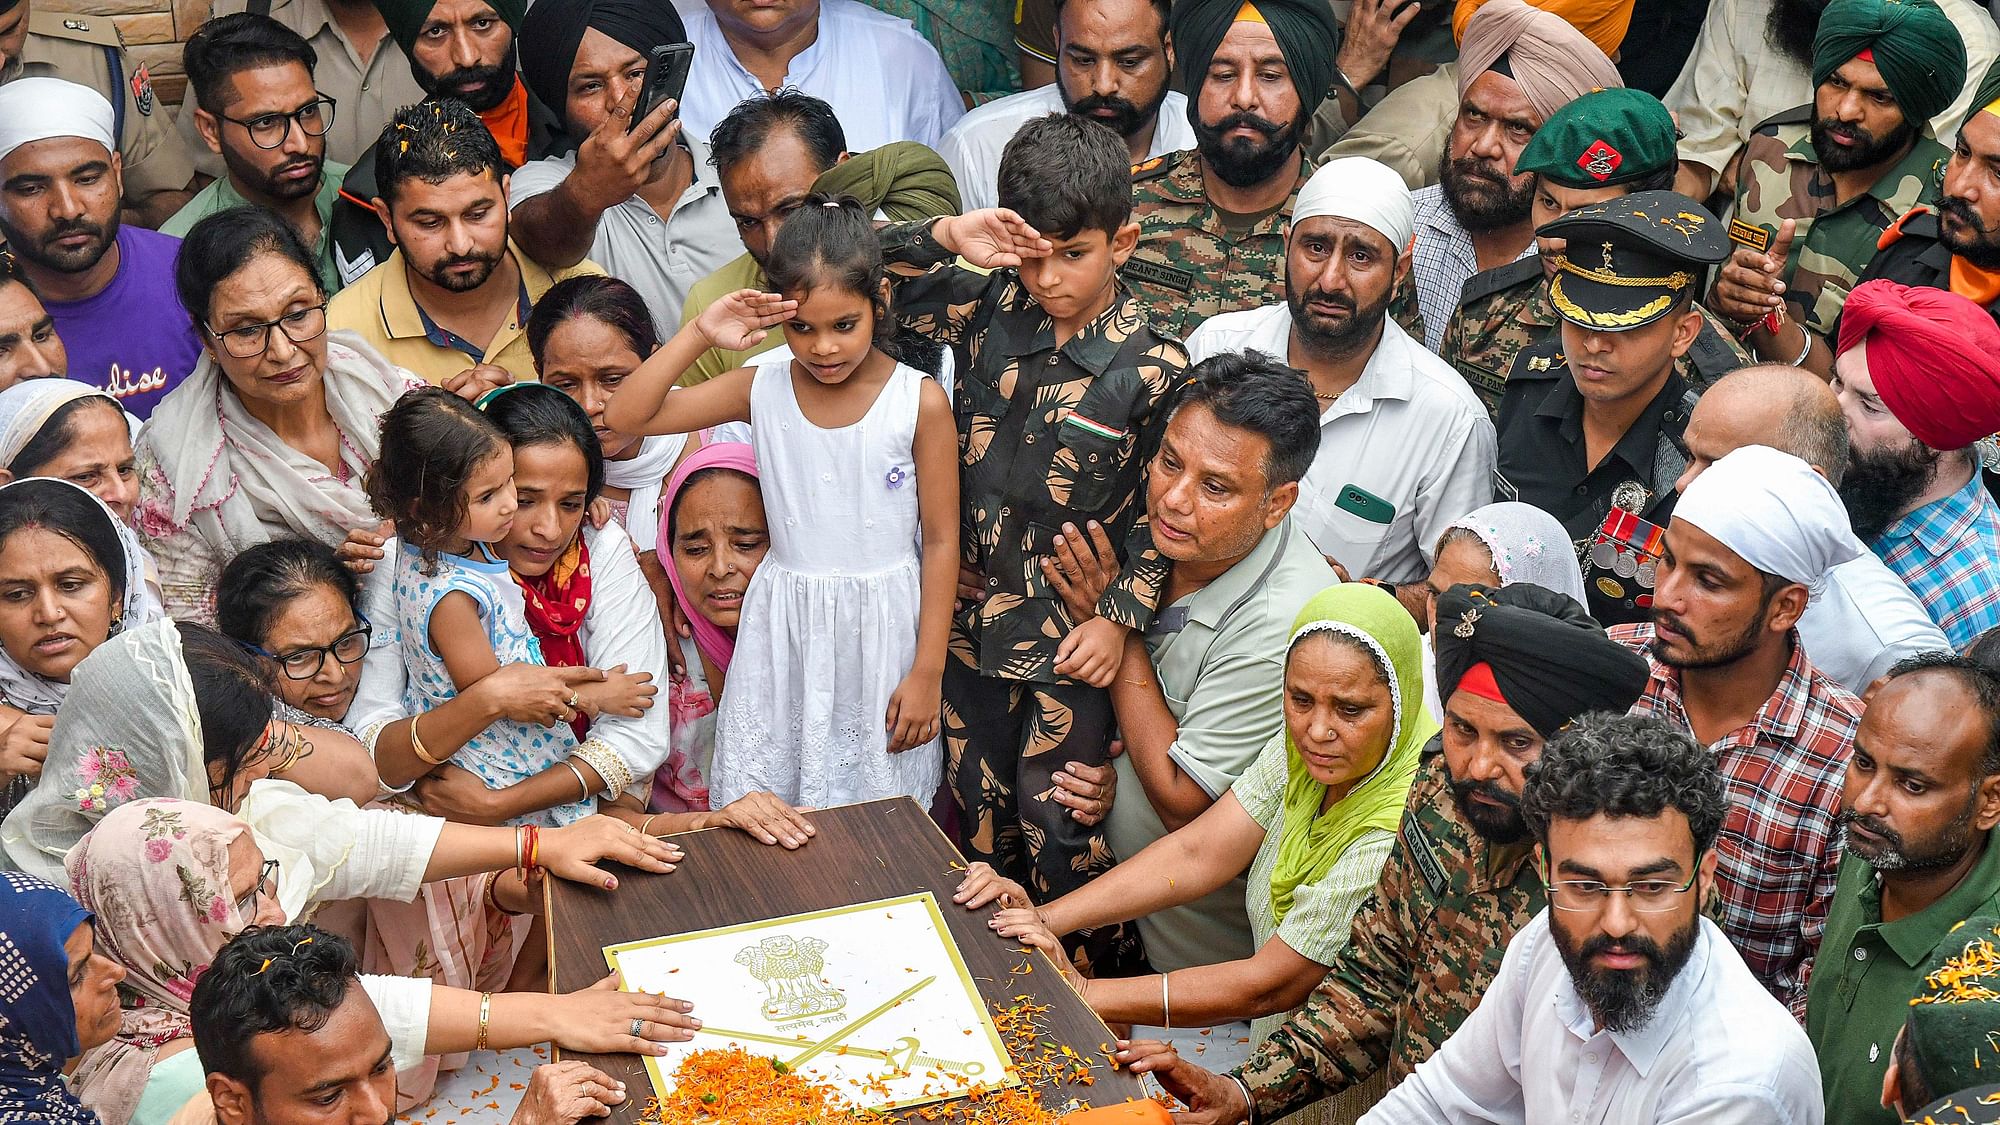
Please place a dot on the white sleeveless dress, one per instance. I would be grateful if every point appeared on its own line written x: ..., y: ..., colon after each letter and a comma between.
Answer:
x: 829, y: 624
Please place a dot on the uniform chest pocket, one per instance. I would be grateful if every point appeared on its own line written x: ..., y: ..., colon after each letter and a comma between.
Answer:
x: 1088, y: 463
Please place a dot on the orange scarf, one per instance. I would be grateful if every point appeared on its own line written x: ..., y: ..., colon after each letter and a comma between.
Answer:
x: 1980, y: 286
x: 508, y: 122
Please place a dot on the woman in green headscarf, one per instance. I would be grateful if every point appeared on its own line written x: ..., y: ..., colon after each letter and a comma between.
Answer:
x: 1313, y: 821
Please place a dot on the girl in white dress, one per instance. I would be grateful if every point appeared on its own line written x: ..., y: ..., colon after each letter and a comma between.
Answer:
x: 834, y: 690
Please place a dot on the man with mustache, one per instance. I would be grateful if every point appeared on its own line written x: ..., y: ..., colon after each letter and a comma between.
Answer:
x: 1820, y: 183
x: 256, y: 107
x: 451, y: 303
x: 29, y: 346
x: 1515, y: 665
x: 1591, y: 417
x: 1114, y: 62
x: 1921, y: 800
x: 109, y: 286
x: 1956, y: 245
x: 1603, y: 145
x: 1754, y: 58
x: 1918, y: 373
x: 460, y: 49
x: 1404, y: 446
x: 1621, y: 1004
x: 1517, y: 65
x: 1212, y: 218
x: 1751, y: 538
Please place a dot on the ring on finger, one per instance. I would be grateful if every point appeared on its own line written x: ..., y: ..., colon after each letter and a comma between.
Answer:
x: 638, y: 1027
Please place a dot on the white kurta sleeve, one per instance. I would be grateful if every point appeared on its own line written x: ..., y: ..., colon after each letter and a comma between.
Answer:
x: 404, y: 1003
x: 330, y: 850
x: 622, y: 626
x: 378, y: 701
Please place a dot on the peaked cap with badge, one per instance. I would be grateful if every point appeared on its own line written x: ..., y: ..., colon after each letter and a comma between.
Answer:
x: 1629, y: 260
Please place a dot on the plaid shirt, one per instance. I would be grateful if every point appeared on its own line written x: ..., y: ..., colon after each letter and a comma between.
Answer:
x: 1779, y: 855
x: 1442, y: 260
x: 1948, y: 553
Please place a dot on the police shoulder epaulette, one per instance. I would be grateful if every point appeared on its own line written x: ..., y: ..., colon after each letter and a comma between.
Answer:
x: 1541, y: 360
x: 1797, y: 115
x: 98, y: 30
x: 1485, y: 283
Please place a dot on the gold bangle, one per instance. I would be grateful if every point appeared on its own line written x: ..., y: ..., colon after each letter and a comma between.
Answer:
x: 646, y: 823
x: 485, y: 1015
x: 417, y: 744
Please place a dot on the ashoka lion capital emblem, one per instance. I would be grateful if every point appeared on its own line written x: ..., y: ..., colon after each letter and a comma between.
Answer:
x: 790, y: 969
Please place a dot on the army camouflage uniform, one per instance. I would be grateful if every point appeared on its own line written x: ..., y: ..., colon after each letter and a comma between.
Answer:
x: 1422, y: 950
x: 1507, y: 309
x: 1780, y: 178
x: 1047, y: 435
x: 1188, y: 266
x: 87, y: 50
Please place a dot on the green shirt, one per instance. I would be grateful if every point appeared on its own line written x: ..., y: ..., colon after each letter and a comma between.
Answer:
x: 741, y: 273
x: 221, y: 196
x: 1867, y: 971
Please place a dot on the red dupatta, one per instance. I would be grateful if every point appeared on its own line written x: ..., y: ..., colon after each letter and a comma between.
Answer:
x: 557, y: 603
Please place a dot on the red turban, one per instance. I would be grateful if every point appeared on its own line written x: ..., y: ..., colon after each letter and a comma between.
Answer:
x: 1934, y: 357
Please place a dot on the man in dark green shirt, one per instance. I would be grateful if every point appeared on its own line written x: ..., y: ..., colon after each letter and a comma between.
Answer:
x: 1922, y: 798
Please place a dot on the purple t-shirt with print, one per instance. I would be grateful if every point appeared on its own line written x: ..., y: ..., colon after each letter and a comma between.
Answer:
x: 132, y: 340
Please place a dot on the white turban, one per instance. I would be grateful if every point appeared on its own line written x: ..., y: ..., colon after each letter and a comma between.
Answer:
x: 37, y: 109
x: 1774, y: 511
x: 1364, y: 190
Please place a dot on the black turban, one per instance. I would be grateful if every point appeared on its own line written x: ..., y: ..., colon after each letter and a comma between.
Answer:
x: 553, y: 28
x: 406, y: 17
x: 1304, y: 29
x: 1550, y: 659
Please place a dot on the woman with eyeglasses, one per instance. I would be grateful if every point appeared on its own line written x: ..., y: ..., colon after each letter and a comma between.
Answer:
x: 290, y: 602
x: 271, y: 434
x: 71, y: 577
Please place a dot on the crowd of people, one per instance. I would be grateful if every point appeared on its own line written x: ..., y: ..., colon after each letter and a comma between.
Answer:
x: 1461, y: 535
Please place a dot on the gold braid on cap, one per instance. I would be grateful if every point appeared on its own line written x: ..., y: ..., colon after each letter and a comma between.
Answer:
x: 1675, y: 281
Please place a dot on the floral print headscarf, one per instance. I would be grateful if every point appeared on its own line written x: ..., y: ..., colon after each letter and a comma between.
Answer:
x: 156, y: 875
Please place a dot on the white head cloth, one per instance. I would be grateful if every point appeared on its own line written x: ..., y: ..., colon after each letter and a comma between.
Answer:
x: 1774, y: 511
x: 1527, y: 545
x: 25, y: 408
x: 1364, y: 190
x: 36, y: 109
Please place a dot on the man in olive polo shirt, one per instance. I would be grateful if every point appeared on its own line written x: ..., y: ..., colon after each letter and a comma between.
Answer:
x: 1201, y: 692
x: 1921, y: 800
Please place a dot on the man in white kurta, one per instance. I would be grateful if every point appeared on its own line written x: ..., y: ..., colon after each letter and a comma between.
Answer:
x: 1405, y: 447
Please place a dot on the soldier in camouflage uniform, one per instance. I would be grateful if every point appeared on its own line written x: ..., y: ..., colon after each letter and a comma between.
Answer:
x: 1057, y: 421
x: 158, y: 170
x: 1819, y: 184
x: 1602, y: 145
x: 1517, y: 664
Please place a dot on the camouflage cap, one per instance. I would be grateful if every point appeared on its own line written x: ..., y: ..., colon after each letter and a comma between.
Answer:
x: 1628, y: 260
x: 1602, y: 139
x: 1977, y: 1106
x: 1954, y: 1024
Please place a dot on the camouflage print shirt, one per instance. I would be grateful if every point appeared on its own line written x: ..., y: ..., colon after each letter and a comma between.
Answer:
x: 1507, y: 309
x: 1189, y: 266
x: 1781, y: 179
x: 1420, y: 953
x: 1046, y: 435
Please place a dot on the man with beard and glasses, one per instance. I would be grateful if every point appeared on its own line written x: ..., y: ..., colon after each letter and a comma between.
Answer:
x: 1514, y: 665
x: 109, y: 286
x: 772, y: 152
x: 451, y: 303
x: 1115, y: 61
x: 1404, y: 447
x: 1863, y: 619
x: 1751, y: 540
x: 255, y: 105
x: 1620, y: 1004
x: 1919, y: 378
x: 1212, y: 218
x: 1819, y: 184
x: 1956, y: 245
x: 1917, y: 815
x: 1517, y: 65
x: 1604, y: 144
x: 1591, y: 418
x: 643, y: 203
x: 464, y: 50
x: 1753, y: 59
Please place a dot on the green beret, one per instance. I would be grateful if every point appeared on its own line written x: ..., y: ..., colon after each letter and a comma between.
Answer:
x: 1954, y: 1024
x: 1602, y: 139
x: 1977, y: 1106
x: 1989, y: 88
x: 1919, y: 52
